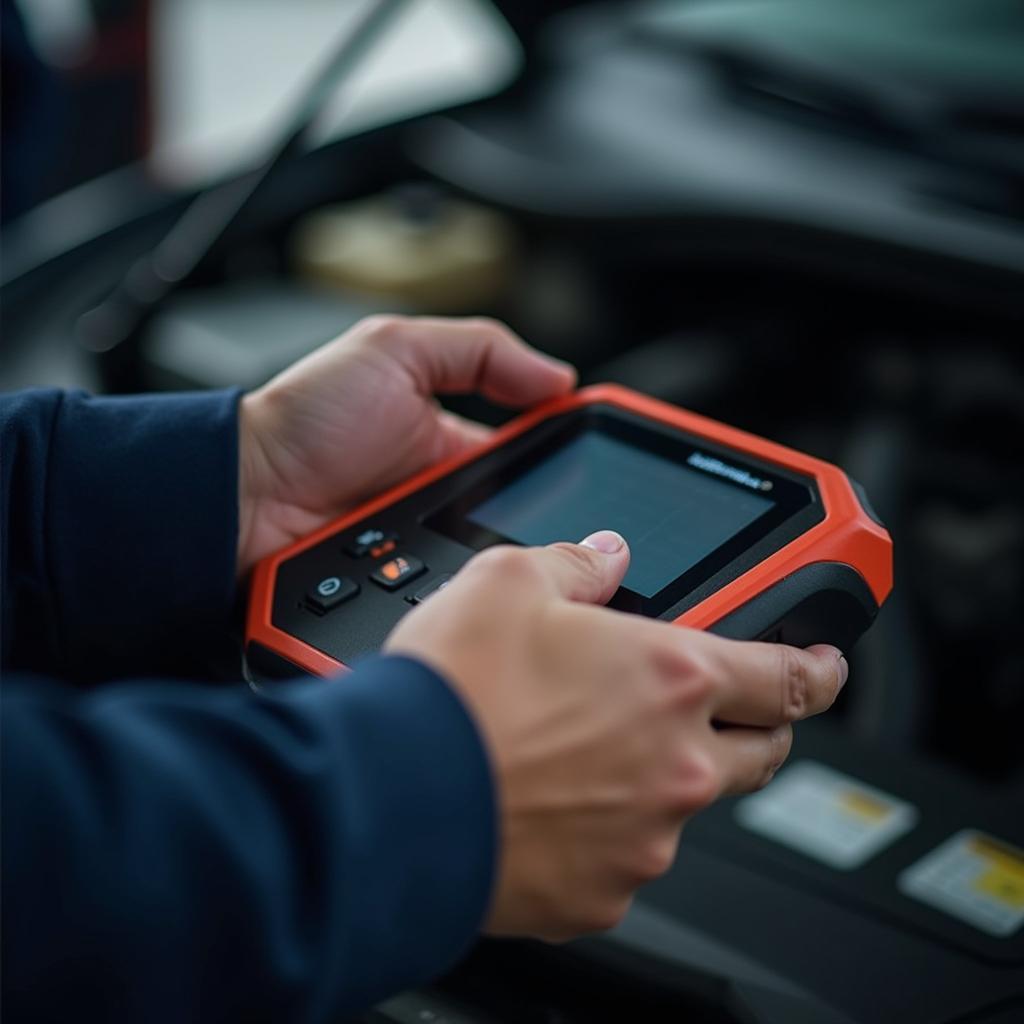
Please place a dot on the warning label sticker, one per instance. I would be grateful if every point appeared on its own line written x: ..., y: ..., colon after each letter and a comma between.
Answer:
x: 827, y: 815
x: 974, y: 877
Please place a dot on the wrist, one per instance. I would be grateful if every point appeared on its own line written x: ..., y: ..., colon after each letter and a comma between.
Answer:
x: 252, y: 472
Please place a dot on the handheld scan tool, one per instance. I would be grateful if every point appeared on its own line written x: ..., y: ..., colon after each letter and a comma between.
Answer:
x: 728, y: 532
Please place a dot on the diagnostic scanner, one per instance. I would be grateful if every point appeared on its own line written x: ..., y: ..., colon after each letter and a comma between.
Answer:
x: 727, y: 532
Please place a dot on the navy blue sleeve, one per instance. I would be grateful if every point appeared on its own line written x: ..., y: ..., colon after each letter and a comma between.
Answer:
x: 119, y: 529
x: 182, y: 853
x: 179, y: 852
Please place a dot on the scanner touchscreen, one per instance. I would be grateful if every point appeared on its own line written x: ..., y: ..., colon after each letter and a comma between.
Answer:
x: 671, y: 514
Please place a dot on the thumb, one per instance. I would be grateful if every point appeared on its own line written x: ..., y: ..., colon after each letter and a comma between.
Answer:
x: 590, y: 571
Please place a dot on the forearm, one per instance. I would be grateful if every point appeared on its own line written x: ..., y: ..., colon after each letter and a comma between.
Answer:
x: 192, y: 854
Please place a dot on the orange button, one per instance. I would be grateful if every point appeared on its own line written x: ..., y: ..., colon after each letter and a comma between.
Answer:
x: 397, y: 572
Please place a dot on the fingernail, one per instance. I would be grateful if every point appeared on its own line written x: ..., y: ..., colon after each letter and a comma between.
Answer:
x: 608, y: 542
x: 844, y: 671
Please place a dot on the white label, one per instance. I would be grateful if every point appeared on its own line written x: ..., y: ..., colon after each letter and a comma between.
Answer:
x: 827, y: 815
x: 974, y: 877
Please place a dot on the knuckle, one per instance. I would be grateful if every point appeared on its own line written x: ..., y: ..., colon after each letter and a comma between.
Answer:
x: 795, y: 684
x: 382, y: 327
x: 705, y: 787
x: 488, y: 325
x: 657, y: 858
x: 505, y: 561
x: 780, y: 741
x: 605, y: 915
x: 784, y: 743
x: 690, y: 679
x: 697, y: 783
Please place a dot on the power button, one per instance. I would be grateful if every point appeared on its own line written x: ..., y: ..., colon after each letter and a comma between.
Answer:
x: 330, y: 592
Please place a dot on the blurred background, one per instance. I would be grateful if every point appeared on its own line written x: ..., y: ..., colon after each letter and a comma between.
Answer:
x: 803, y: 217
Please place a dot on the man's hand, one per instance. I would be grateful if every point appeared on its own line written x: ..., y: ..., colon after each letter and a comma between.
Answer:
x: 606, y: 731
x: 359, y: 415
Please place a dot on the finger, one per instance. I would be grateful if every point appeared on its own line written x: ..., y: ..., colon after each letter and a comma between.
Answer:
x: 459, y: 434
x: 766, y: 685
x: 590, y: 571
x: 479, y: 355
x: 747, y: 759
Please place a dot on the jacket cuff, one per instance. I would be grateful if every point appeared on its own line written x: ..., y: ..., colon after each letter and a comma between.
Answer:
x: 142, y: 524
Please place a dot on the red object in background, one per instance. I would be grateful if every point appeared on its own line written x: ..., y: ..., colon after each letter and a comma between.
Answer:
x: 110, y: 92
x: 72, y: 116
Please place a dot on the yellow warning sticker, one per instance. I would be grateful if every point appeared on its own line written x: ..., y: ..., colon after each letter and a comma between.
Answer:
x: 825, y: 814
x: 972, y: 876
x: 862, y: 804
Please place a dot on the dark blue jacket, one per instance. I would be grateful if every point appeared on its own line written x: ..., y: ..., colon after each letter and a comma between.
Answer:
x: 174, y: 851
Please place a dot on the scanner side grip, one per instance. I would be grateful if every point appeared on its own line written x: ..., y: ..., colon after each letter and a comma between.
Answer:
x: 820, y: 603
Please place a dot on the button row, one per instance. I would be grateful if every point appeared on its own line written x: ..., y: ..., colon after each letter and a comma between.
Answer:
x: 391, y: 575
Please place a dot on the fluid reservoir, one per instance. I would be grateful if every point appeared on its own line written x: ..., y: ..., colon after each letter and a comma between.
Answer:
x: 413, y: 245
